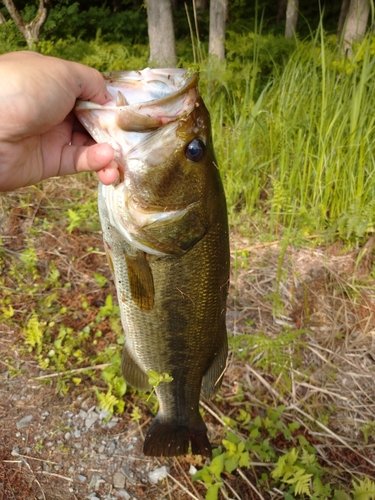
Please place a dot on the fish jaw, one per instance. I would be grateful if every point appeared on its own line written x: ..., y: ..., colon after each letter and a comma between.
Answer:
x: 129, y: 221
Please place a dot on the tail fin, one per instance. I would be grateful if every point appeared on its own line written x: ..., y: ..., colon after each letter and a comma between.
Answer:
x: 167, y: 440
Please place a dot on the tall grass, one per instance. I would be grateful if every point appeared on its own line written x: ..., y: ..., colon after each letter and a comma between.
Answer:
x: 299, y: 144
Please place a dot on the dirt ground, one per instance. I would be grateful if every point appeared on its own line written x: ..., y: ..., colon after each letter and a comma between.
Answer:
x: 60, y: 446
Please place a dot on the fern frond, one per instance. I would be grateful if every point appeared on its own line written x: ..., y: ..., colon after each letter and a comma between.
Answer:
x: 364, y: 489
x: 108, y: 401
x: 308, y: 459
x: 301, y: 482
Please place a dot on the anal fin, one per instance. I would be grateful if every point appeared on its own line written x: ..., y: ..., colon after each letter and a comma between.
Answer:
x: 214, y: 375
x: 133, y: 373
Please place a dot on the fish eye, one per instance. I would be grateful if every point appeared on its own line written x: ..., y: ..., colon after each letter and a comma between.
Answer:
x: 195, y: 150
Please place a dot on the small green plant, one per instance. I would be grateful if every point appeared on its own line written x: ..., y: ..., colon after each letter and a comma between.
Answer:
x: 39, y: 445
x: 291, y: 470
x: 100, y: 279
x: 136, y: 415
x: 109, y: 402
x: 236, y: 454
x: 368, y: 430
x: 7, y: 312
x: 363, y: 489
x: 34, y: 333
x: 271, y: 354
x: 84, y: 216
x: 155, y: 379
x: 297, y: 473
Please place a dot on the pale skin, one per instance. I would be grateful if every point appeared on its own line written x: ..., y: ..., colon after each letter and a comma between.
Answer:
x: 40, y: 136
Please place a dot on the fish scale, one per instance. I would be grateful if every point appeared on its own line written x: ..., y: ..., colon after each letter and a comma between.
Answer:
x: 166, y: 236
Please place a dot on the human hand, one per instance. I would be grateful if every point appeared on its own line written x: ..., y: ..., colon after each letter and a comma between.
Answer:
x: 40, y: 137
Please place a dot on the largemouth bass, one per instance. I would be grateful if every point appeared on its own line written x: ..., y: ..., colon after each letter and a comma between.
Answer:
x: 165, y: 232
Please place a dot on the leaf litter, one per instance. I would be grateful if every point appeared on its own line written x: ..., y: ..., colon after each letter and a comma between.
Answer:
x: 301, y: 320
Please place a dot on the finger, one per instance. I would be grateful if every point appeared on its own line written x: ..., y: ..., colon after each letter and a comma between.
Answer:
x: 82, y: 139
x: 86, y: 158
x: 109, y: 175
x: 89, y: 83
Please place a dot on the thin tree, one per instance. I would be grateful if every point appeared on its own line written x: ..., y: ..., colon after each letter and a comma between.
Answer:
x: 291, y: 18
x: 30, y: 30
x: 355, y: 24
x: 281, y: 10
x: 161, y: 33
x: 218, y: 17
x: 343, y: 14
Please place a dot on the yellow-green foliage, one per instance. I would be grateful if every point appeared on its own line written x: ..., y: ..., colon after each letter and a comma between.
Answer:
x: 290, y: 470
x: 34, y: 332
x: 103, y: 56
x: 270, y: 354
x: 363, y: 489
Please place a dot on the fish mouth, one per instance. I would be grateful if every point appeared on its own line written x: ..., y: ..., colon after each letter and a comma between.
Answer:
x: 143, y: 101
x: 160, y: 85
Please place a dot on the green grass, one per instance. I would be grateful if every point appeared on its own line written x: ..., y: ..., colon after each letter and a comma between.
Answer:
x: 299, y: 145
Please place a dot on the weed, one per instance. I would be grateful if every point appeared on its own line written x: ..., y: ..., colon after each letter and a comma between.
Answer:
x: 155, y: 379
x: 363, y: 489
x: 296, y: 473
x: 368, y: 431
x: 278, y: 355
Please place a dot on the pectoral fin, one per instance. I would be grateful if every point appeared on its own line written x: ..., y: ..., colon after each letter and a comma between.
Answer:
x: 141, y: 280
x: 214, y: 375
x: 132, y: 372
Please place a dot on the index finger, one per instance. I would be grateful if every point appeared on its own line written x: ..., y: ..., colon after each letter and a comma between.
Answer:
x: 89, y: 84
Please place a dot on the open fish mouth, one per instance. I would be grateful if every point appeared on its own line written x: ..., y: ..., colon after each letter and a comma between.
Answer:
x: 142, y: 101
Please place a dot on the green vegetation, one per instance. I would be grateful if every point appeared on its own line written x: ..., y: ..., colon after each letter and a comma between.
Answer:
x: 296, y: 141
x: 297, y: 473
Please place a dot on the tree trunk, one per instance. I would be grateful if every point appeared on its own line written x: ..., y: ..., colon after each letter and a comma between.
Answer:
x: 281, y: 10
x: 356, y: 24
x: 218, y: 17
x: 291, y: 18
x: 161, y: 33
x: 343, y: 14
x: 2, y: 18
x: 31, y: 30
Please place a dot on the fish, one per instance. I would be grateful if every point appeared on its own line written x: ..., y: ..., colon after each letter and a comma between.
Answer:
x: 165, y: 232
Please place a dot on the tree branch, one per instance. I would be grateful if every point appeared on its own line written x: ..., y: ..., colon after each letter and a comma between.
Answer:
x: 31, y: 30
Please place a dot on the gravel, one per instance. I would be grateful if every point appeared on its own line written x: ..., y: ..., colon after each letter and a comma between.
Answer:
x: 24, y: 422
x: 78, y: 449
